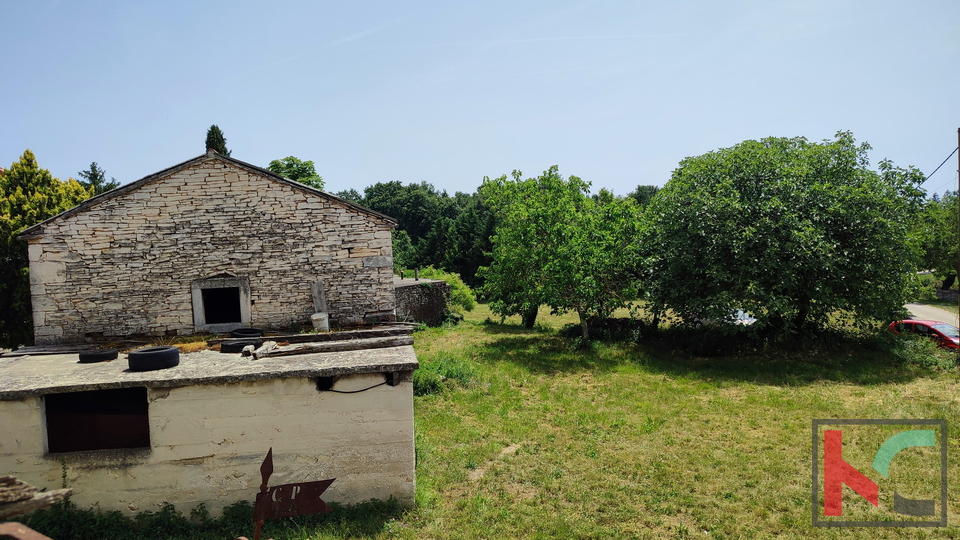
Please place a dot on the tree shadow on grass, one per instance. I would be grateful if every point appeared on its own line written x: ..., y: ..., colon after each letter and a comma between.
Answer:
x: 860, y: 361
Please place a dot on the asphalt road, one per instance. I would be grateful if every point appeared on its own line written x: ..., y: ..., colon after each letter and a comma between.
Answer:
x: 922, y: 311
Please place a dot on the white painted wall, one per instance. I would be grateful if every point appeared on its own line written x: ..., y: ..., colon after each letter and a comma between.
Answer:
x: 208, y: 442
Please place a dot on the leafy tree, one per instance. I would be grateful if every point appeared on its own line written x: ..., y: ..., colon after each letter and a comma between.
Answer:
x: 28, y: 195
x: 351, y: 195
x: 556, y: 246
x: 792, y: 231
x: 403, y: 252
x: 294, y: 169
x: 95, y: 179
x: 440, y: 246
x: 643, y: 194
x: 939, y: 223
x: 217, y: 141
x: 415, y: 207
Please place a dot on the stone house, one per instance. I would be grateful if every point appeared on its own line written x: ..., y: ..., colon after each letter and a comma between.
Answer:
x: 210, y: 244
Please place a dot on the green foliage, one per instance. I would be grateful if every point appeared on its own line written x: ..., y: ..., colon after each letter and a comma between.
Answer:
x: 556, y: 246
x: 351, y: 195
x: 294, y: 169
x: 791, y: 231
x: 217, y: 141
x: 452, y: 233
x: 643, y: 194
x: 403, y: 253
x: 28, y: 195
x: 94, y: 179
x: 461, y: 296
x: 939, y: 231
x: 921, y: 352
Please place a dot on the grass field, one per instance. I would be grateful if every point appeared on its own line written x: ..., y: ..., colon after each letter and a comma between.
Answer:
x: 521, y: 435
x: 532, y: 438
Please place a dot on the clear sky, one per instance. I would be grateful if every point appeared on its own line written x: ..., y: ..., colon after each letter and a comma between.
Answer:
x: 616, y: 92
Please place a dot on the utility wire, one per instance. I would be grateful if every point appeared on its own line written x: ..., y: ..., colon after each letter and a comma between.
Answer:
x: 947, y: 183
x: 944, y: 161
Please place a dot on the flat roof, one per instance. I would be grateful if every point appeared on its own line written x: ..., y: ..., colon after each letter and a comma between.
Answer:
x: 27, y: 376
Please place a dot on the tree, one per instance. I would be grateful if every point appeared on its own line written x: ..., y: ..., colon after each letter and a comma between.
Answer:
x: 351, y: 195
x: 939, y: 225
x: 643, y: 194
x: 294, y: 169
x: 28, y: 195
x: 95, y: 180
x: 403, y: 252
x: 216, y: 140
x: 792, y: 231
x: 554, y: 245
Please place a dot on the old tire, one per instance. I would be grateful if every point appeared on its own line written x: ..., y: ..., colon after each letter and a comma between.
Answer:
x: 237, y: 346
x: 246, y: 333
x: 97, y: 355
x: 152, y: 358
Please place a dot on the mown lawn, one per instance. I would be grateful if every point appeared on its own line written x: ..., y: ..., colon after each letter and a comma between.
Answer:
x: 532, y: 438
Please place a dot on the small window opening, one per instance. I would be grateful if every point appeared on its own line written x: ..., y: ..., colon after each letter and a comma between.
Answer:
x: 324, y: 383
x: 221, y: 305
x: 97, y: 420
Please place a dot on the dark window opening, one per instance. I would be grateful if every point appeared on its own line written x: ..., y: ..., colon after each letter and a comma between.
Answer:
x: 221, y: 305
x: 97, y: 420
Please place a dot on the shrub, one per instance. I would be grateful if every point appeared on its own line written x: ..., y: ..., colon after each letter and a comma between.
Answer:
x: 461, y: 296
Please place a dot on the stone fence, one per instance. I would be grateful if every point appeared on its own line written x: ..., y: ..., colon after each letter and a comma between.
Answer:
x: 423, y: 301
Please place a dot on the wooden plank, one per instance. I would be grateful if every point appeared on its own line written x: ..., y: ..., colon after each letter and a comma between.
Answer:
x: 38, y: 501
x: 338, y: 346
x: 328, y: 336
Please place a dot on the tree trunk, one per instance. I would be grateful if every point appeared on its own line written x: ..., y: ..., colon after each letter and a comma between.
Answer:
x: 948, y: 281
x: 802, y: 310
x: 529, y: 317
x: 585, y: 329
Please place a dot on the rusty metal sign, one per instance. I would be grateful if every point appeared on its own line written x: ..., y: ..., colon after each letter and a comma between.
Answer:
x: 286, y: 500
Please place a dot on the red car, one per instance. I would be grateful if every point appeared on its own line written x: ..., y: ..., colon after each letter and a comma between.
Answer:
x: 945, y: 335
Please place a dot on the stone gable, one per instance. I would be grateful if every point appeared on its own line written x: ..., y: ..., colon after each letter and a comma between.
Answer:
x: 133, y: 263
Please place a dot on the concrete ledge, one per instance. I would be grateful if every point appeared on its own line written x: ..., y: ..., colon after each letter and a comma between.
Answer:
x: 26, y: 376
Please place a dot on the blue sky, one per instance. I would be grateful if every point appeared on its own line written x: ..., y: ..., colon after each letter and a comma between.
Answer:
x: 616, y: 92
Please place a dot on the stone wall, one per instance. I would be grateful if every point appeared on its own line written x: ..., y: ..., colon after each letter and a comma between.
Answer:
x: 949, y: 295
x: 423, y: 301
x: 125, y: 265
x: 364, y: 440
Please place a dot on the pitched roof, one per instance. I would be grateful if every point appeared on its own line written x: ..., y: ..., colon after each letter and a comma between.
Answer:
x: 37, y: 229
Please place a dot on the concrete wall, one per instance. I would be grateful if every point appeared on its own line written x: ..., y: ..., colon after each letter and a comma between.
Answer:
x: 125, y: 265
x: 207, y: 444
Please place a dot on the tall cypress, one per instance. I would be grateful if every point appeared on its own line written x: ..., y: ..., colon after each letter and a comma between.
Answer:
x: 217, y: 141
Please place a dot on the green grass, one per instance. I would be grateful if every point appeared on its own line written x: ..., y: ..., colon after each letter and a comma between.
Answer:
x: 639, y: 440
x: 521, y: 435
